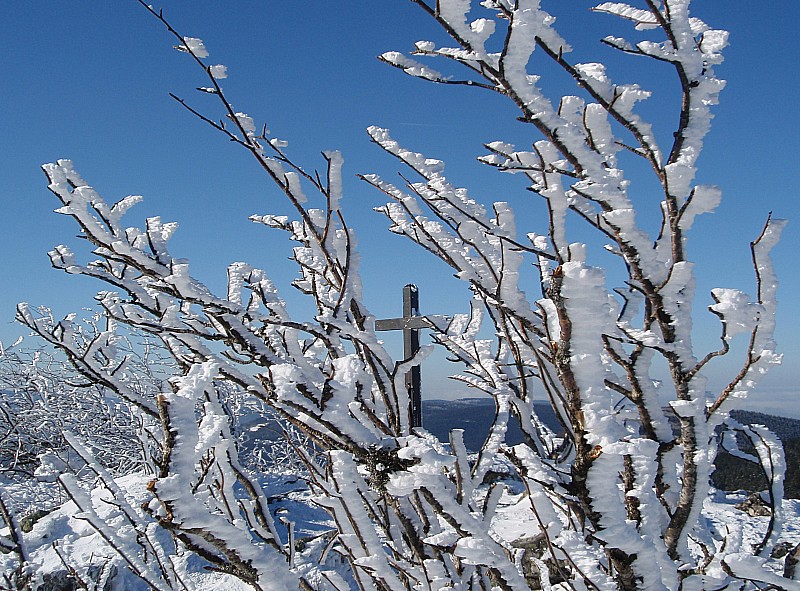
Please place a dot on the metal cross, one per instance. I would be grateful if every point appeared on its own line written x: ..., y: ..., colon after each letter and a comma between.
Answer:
x: 410, y: 324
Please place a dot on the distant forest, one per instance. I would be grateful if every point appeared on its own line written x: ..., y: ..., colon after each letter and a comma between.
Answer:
x: 734, y: 473
x: 475, y: 415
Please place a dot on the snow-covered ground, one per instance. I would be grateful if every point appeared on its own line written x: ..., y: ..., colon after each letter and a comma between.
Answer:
x: 64, y: 539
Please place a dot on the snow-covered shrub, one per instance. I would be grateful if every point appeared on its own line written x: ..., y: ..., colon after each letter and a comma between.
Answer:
x: 42, y: 397
x: 615, y: 502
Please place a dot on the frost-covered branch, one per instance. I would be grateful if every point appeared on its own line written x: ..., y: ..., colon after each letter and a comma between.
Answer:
x: 592, y: 349
x: 615, y: 501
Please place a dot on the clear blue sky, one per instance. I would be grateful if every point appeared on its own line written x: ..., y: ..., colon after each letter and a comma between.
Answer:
x: 89, y: 81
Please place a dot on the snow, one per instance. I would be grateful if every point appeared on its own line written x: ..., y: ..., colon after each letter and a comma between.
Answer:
x: 412, y: 67
x: 69, y: 535
x: 246, y: 122
x: 740, y: 314
x: 66, y: 530
x: 644, y: 19
x: 378, y: 479
x: 195, y: 46
x: 218, y: 71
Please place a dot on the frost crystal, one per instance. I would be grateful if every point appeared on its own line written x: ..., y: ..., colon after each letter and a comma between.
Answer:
x: 219, y: 71
x: 195, y: 46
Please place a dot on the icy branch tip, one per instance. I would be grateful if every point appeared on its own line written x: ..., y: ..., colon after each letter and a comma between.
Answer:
x: 218, y: 72
x: 194, y: 46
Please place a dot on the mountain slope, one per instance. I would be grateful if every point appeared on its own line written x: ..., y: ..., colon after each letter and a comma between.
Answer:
x: 475, y: 415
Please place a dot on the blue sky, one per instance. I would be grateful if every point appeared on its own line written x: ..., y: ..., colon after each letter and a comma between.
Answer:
x: 89, y: 81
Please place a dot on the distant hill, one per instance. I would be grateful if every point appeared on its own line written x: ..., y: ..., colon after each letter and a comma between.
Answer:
x: 785, y: 428
x: 475, y: 415
x: 734, y: 473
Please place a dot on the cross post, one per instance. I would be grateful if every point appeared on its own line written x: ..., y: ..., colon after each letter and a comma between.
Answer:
x: 410, y: 324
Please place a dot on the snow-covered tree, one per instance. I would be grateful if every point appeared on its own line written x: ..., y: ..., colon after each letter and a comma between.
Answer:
x: 614, y: 501
x: 43, y: 396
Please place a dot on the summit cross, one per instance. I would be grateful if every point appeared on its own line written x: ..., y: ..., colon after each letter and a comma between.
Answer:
x: 410, y: 323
